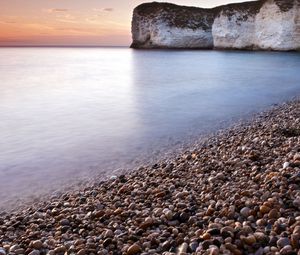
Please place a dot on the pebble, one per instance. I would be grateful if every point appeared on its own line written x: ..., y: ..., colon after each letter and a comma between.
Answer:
x: 60, y: 249
x: 81, y: 252
x: 34, y: 252
x: 283, y: 241
x: 37, y: 244
x: 108, y: 233
x: 14, y: 248
x: 250, y: 240
x: 183, y: 248
x: 264, y: 209
x: 245, y: 212
x: 285, y: 165
x: 134, y: 249
x: 213, y: 251
x: 296, y: 202
x: 274, y: 214
x: 64, y: 222
x: 194, y: 246
x: 286, y: 249
x: 168, y: 213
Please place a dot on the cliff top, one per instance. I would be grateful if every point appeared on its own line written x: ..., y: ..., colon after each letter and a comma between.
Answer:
x: 187, y: 12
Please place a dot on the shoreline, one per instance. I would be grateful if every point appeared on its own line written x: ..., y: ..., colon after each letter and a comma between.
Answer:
x: 233, y: 193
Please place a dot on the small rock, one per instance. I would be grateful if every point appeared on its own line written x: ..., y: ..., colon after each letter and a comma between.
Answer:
x: 220, y: 176
x: 147, y: 223
x: 245, y: 212
x: 37, y: 244
x: 214, y: 251
x: 283, y: 241
x: 108, y: 233
x: 19, y: 251
x: 34, y: 252
x: 134, y: 249
x: 60, y: 249
x: 296, y: 202
x: 286, y: 165
x: 250, y: 240
x: 286, y: 250
x: 14, y: 248
x: 183, y: 248
x: 166, y: 246
x: 296, y: 156
x: 194, y: 246
x: 260, y: 251
x: 64, y: 222
x: 295, y: 241
x: 296, y: 230
x: 206, y: 236
x: 81, y: 252
x: 274, y: 214
x: 264, y: 209
x: 107, y: 242
x: 168, y: 213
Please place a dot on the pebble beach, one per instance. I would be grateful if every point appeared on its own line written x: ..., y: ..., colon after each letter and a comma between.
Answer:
x: 236, y: 192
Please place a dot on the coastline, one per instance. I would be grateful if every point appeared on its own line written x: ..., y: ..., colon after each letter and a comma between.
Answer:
x: 234, y: 193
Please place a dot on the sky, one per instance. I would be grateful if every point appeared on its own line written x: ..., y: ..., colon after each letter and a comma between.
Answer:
x: 73, y: 22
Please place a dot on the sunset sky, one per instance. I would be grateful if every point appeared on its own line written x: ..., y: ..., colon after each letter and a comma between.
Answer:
x: 73, y: 22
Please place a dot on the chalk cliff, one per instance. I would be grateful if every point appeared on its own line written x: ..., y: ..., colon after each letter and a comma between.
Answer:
x: 257, y: 25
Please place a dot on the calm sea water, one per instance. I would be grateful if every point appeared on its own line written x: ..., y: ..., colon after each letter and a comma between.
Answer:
x: 71, y: 113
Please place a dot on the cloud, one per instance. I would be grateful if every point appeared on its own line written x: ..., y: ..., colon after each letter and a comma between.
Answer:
x: 57, y: 10
x: 76, y: 31
x: 36, y: 26
x: 8, y: 22
x: 108, y: 9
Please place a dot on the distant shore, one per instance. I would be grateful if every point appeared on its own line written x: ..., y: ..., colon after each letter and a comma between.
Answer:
x: 235, y: 193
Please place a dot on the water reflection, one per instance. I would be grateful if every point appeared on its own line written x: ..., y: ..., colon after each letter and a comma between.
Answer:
x: 80, y: 112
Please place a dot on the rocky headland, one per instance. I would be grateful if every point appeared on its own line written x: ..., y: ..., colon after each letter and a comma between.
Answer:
x: 235, y: 193
x: 257, y: 25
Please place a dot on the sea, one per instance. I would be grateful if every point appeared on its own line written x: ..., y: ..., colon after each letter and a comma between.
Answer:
x: 70, y: 115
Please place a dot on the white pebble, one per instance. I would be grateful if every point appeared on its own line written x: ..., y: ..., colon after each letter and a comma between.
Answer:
x: 285, y: 165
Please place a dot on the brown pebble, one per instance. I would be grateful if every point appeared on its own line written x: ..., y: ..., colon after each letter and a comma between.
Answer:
x: 250, y: 240
x: 81, y: 252
x: 37, y: 244
x: 295, y: 241
x: 206, y: 236
x: 264, y: 209
x: 60, y: 249
x: 274, y: 214
x: 134, y: 249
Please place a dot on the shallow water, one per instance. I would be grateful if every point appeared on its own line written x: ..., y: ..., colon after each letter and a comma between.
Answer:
x: 73, y: 113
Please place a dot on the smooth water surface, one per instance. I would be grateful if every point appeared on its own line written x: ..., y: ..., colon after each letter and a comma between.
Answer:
x: 71, y: 113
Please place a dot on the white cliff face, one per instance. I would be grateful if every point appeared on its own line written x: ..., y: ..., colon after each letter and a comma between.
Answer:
x: 269, y: 29
x: 261, y: 25
x: 231, y: 32
x: 156, y: 31
x: 275, y: 29
x: 166, y: 37
x: 157, y: 34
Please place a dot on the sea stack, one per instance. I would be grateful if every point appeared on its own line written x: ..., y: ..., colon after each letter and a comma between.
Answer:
x: 258, y: 25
